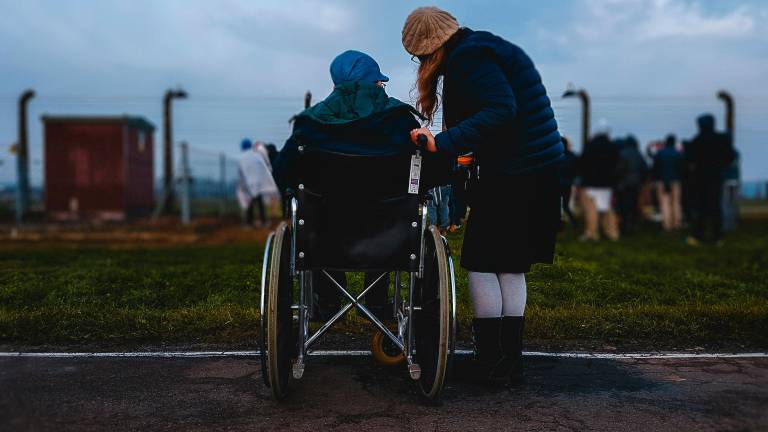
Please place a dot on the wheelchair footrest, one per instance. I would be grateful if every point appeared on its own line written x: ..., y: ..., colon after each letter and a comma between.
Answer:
x: 298, y: 370
x: 415, y: 371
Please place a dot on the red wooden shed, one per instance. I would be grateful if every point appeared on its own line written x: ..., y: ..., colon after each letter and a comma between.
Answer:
x: 98, y: 167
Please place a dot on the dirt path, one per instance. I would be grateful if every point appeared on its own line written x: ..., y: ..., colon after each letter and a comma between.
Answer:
x: 351, y: 393
x: 143, y: 233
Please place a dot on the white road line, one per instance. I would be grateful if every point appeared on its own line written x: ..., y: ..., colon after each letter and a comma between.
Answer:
x: 324, y: 353
x: 649, y: 355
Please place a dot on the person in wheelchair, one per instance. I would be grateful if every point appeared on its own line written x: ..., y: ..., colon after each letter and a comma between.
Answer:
x: 356, y: 118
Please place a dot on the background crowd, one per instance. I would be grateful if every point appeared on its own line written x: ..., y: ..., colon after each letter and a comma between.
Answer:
x: 612, y: 184
x: 692, y: 184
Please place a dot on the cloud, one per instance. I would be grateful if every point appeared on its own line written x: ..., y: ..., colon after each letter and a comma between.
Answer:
x: 266, y: 46
x: 669, y: 18
x: 657, y: 47
x: 658, y: 19
x: 280, y: 48
x: 326, y: 16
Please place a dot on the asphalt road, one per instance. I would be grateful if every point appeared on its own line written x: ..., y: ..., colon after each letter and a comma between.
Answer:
x: 353, y: 394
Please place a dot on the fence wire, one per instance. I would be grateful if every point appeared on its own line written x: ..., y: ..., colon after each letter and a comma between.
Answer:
x: 215, y: 124
x: 213, y: 182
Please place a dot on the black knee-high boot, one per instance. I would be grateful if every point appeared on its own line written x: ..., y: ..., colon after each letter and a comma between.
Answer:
x: 487, y: 338
x: 511, y: 366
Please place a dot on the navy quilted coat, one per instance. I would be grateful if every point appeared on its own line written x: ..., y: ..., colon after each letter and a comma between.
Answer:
x: 495, y: 105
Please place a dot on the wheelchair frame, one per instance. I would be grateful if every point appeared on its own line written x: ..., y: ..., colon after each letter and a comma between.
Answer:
x: 403, y: 309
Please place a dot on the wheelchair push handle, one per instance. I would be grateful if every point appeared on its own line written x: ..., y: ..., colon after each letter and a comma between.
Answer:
x: 421, y: 143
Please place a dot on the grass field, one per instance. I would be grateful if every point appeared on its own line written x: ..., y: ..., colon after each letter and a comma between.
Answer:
x: 648, y: 291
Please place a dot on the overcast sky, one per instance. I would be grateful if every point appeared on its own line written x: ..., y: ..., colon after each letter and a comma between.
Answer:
x: 651, y: 65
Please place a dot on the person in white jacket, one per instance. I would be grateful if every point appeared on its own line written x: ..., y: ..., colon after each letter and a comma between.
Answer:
x: 255, y: 185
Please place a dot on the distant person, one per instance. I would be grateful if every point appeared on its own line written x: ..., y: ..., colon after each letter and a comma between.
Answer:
x: 440, y: 204
x: 668, y: 166
x: 652, y: 148
x: 261, y: 148
x: 568, y: 173
x: 272, y: 152
x: 631, y: 174
x: 652, y: 198
x: 597, y: 167
x: 460, y: 183
x: 272, y: 155
x: 731, y: 187
x: 255, y: 183
x: 711, y: 154
x: 439, y: 207
x: 687, y: 186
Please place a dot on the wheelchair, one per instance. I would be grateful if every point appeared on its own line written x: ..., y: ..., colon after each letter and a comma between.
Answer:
x: 354, y: 213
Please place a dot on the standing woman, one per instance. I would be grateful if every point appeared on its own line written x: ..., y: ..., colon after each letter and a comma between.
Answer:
x: 495, y: 106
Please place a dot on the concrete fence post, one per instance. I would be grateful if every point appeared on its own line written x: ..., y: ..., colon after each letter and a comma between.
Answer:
x: 22, y: 158
x: 586, y: 112
x: 222, y: 184
x: 185, y: 180
x: 168, y: 177
x: 729, y: 110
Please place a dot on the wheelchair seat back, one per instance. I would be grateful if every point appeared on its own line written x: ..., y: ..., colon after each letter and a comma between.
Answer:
x: 355, y: 213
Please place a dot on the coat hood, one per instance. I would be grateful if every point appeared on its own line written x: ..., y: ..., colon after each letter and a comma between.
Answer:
x: 354, y: 65
x: 352, y: 101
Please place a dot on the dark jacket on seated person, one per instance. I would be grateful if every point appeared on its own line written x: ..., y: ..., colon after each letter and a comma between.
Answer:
x: 358, y: 119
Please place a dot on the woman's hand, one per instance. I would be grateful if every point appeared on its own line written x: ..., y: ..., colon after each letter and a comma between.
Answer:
x: 431, y: 147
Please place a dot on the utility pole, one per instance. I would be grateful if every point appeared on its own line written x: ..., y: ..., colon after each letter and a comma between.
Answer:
x: 22, y: 159
x: 729, y: 114
x: 585, y: 112
x: 168, y: 145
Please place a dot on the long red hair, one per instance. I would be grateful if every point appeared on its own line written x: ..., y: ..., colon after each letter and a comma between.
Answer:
x: 431, y: 68
x: 427, y: 80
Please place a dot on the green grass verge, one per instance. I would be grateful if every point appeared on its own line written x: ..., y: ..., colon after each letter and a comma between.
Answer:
x: 649, y: 290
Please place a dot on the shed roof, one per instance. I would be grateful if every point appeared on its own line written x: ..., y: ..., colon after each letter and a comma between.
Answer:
x: 137, y: 122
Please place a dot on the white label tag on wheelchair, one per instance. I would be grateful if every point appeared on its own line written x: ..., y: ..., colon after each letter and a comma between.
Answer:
x: 413, y: 182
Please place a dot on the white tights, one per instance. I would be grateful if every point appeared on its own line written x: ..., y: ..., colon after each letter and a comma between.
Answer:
x: 498, y: 294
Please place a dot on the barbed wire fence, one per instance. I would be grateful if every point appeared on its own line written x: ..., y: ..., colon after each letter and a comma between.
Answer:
x: 211, y: 182
x: 213, y: 127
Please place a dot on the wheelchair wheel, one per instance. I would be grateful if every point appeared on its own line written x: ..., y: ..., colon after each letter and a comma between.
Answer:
x: 384, y: 351
x: 262, y: 308
x: 280, y: 331
x: 432, y: 322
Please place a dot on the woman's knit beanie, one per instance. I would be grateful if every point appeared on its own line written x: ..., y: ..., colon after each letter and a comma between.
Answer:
x: 426, y: 29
